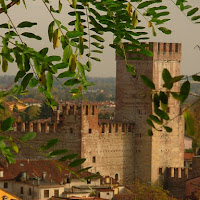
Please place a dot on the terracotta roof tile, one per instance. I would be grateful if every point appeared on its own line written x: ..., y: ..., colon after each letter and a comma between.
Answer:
x: 35, y: 168
x: 188, y: 156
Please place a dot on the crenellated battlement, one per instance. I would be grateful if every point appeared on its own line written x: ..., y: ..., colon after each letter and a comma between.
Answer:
x: 116, y: 128
x: 161, y: 51
x: 40, y: 127
x: 178, y: 173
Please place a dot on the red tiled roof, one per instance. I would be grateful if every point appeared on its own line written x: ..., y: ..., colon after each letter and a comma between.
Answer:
x: 35, y: 168
x: 188, y: 156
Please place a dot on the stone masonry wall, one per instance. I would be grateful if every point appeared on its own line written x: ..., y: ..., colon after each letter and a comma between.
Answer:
x: 133, y: 104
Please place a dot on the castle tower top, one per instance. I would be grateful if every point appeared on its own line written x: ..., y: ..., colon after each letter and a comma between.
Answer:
x: 161, y: 51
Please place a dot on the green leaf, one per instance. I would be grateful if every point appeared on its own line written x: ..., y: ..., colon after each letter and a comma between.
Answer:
x: 185, y: 90
x: 28, y: 136
x: 150, y: 123
x: 97, y: 45
x: 13, y: 145
x: 19, y: 75
x: 155, y: 119
x: 72, y: 82
x: 165, y: 30
x: 51, y: 30
x: 84, y: 169
x: 3, y: 5
x: 49, y: 82
x: 58, y: 152
x: 145, y: 4
x: 96, y: 59
x: 68, y: 157
x: 194, y: 18
x: 163, y: 97
x: 161, y: 114
x: 88, y: 66
x: 130, y: 68
x: 26, y: 80
x: 168, y: 129
x: 31, y: 35
x: 5, y: 25
x: 175, y: 95
x: 4, y: 65
x: 147, y: 82
x: 67, y: 74
x: 76, y: 163
x: 67, y: 53
x: 98, y: 38
x: 73, y: 34
x: 176, y: 79
x: 52, y: 58
x: 82, y: 71
x: 189, y: 123
x: 167, y: 79
x: 61, y: 65
x: 7, y: 124
x: 33, y: 82
x: 150, y: 132
x: 49, y: 144
x: 26, y: 24
x: 191, y: 12
x: 196, y: 78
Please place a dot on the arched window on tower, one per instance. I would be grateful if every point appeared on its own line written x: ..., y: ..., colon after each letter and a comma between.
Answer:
x: 116, y: 177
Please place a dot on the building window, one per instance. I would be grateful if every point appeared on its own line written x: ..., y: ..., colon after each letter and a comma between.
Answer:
x: 88, y: 181
x: 160, y: 170
x: 4, y: 197
x: 176, y: 47
x: 46, y: 193
x: 68, y: 179
x: 94, y: 159
x: 29, y: 192
x: 116, y: 177
x: 90, y: 130
x: 5, y: 185
x: 21, y: 190
x: 56, y: 193
x: 71, y: 130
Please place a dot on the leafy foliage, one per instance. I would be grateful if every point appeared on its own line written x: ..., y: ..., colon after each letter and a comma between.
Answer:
x: 84, y: 37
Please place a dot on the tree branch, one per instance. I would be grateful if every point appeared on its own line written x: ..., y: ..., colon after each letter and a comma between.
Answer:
x: 9, y: 5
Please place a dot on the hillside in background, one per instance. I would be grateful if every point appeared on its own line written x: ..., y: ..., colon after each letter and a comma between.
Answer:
x: 102, y: 90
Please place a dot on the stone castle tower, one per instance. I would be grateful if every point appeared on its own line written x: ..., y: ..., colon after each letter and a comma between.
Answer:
x: 120, y: 149
x: 133, y: 105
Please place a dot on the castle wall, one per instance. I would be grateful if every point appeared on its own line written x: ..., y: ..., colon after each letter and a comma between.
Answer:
x: 168, y: 148
x: 133, y: 104
x: 175, y: 181
x: 108, y: 148
x: 66, y: 130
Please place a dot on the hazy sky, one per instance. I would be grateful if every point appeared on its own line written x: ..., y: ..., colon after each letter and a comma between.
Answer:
x: 183, y: 31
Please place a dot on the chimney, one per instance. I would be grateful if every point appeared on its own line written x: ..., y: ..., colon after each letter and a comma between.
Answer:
x: 44, y: 175
x: 1, y: 172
